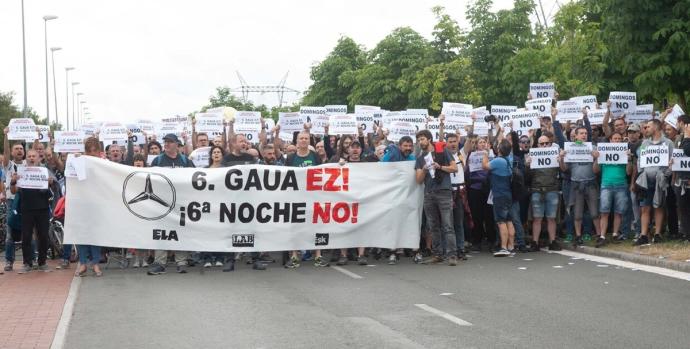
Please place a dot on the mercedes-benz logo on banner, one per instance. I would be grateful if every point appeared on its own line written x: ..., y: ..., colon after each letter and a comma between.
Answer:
x: 149, y: 196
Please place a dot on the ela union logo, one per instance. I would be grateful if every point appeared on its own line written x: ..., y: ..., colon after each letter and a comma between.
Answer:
x: 149, y: 196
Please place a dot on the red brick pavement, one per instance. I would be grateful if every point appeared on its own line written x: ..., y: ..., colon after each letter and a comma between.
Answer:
x: 31, y: 306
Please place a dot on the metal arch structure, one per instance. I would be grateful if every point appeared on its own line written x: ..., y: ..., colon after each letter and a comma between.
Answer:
x: 280, y: 89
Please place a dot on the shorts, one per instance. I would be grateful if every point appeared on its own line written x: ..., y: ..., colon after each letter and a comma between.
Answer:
x: 646, y: 196
x: 589, y: 195
x: 544, y: 204
x: 615, y: 197
x: 502, y: 209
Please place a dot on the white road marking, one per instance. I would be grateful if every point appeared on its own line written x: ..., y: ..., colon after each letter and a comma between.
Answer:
x: 634, y: 266
x: 66, y: 316
x: 398, y: 339
x: 347, y: 272
x: 444, y: 315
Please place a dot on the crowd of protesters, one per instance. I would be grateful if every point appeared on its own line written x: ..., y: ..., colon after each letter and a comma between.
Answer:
x: 503, y: 206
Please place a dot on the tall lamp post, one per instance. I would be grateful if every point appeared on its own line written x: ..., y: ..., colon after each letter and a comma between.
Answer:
x: 73, y: 107
x: 67, y: 70
x: 45, y: 30
x: 81, y: 114
x: 74, y: 120
x: 52, y: 58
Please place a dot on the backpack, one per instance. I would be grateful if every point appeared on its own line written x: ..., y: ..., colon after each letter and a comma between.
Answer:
x: 517, y: 182
x: 157, y: 160
x: 395, y: 154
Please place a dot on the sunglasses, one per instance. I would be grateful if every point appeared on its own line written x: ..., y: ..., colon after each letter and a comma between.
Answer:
x: 524, y: 142
x: 545, y: 143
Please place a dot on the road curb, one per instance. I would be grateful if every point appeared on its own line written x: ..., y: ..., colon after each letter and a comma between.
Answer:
x: 635, y: 258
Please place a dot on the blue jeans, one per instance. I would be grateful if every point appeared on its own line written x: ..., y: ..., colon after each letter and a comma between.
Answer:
x: 517, y: 224
x: 459, y: 224
x: 438, y: 207
x: 614, y: 199
x: 10, y: 247
x: 86, y: 251
x: 628, y: 216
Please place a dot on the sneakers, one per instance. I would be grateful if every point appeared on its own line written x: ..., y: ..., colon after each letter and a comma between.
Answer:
x: 8, y: 266
x: 568, y: 238
x: 25, y: 269
x: 63, y: 265
x: 393, y: 259
x: 208, y: 265
x: 618, y: 239
x: 219, y: 264
x: 588, y: 237
x: 182, y: 269
x: 258, y: 265
x: 136, y: 264
x: 417, y: 259
x: 144, y: 264
x: 555, y: 246
x: 433, y: 260
x: 502, y: 253
x: 321, y: 262
x: 601, y: 241
x: 156, y: 269
x: 361, y: 260
x: 657, y: 239
x: 266, y: 258
x: 642, y: 240
x: 462, y: 255
x: 292, y: 263
x: 44, y: 268
x: 342, y: 260
x: 228, y: 266
x: 523, y: 249
x: 578, y: 241
x: 452, y: 261
x: 534, y: 246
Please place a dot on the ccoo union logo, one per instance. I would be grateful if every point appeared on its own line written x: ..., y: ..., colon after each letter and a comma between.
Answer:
x: 149, y: 196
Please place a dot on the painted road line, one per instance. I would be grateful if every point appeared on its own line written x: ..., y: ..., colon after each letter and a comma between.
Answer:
x: 347, y: 272
x: 648, y: 268
x: 395, y: 338
x: 444, y: 315
x: 66, y: 316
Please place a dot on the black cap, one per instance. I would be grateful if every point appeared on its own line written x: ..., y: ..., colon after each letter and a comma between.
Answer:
x: 172, y: 138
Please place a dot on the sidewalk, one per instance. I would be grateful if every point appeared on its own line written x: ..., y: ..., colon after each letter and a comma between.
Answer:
x: 671, y: 255
x: 32, y: 305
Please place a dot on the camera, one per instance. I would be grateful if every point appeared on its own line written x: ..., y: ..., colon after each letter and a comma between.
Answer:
x: 490, y: 118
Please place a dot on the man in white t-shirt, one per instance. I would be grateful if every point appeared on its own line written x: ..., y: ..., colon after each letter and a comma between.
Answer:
x: 457, y: 180
x: 13, y: 159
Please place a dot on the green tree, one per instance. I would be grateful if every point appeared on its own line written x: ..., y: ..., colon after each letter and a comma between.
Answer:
x: 450, y: 82
x: 448, y: 37
x: 10, y: 111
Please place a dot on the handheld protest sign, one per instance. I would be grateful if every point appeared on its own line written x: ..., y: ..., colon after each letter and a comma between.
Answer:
x: 568, y: 111
x: 612, y: 153
x: 291, y: 122
x: 69, y: 142
x: 32, y: 177
x: 474, y: 162
x: 22, y: 129
x: 336, y: 109
x: 542, y: 90
x: 672, y: 117
x: 523, y: 121
x: 596, y: 116
x: 366, y: 121
x: 681, y: 162
x: 481, y: 128
x: 654, y: 156
x: 434, y: 126
x: 542, y: 105
x: 502, y: 114
x: 317, y: 116
x: 201, y: 156
x: 544, y: 157
x: 210, y: 123
x: 247, y: 123
x: 399, y: 129
x: 642, y: 113
x: 417, y: 117
x: 622, y: 103
x: 575, y: 152
x: 588, y: 102
x: 113, y: 132
x: 343, y: 124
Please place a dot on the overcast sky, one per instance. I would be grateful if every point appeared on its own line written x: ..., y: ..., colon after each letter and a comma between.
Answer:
x: 154, y: 58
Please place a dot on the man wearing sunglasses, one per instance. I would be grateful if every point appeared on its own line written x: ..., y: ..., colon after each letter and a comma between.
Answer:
x: 544, y: 188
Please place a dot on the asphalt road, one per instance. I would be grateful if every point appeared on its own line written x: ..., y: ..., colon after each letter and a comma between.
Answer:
x: 490, y: 303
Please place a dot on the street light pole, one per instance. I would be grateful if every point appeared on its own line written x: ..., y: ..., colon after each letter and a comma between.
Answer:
x: 73, y: 84
x: 24, y: 60
x: 81, y: 112
x: 52, y: 59
x: 45, y: 31
x: 67, y: 69
x: 74, y: 122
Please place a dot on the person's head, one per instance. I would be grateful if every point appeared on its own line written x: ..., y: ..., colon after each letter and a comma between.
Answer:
x: 114, y: 153
x: 170, y: 145
x: 380, y: 150
x: 332, y: 139
x: 32, y: 158
x: 290, y: 149
x: 548, y: 135
x: 544, y: 142
x: 345, y: 142
x: 452, y: 142
x: 320, y: 149
x: 596, y: 131
x: 615, y: 138
x: 240, y: 145
x: 683, y: 121
x: 653, y: 128
x: 355, y: 151
x: 406, y: 145
x: 303, y: 141
x: 545, y: 123
x: 201, y: 140
x: 634, y: 133
x: 18, y: 152
x: 524, y: 143
x: 268, y: 152
x: 482, y: 144
x: 92, y: 147
x: 581, y: 134
x: 504, y: 148
x: 138, y: 160
x: 424, y: 139
x: 670, y: 131
x: 218, y: 140
x: 619, y: 126
x: 215, y: 155
x: 154, y: 148
x: 572, y: 134
x: 136, y: 149
x: 40, y: 149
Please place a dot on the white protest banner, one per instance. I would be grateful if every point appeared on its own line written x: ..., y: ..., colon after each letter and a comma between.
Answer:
x: 69, y: 142
x: 291, y: 122
x: 32, y: 177
x: 642, y: 113
x: 336, y: 109
x: 681, y: 163
x: 318, y: 117
x: 474, y: 162
x: 596, y: 116
x: 22, y: 129
x: 201, y: 156
x: 180, y: 119
x: 378, y: 117
x: 544, y: 157
x: 623, y: 103
x: 434, y: 126
x: 451, y: 105
x: 269, y: 124
x: 502, y: 114
x: 457, y: 118
x: 654, y: 155
x: 542, y: 90
x: 542, y: 105
x: 416, y: 117
x: 390, y: 117
x: 309, y: 112
x: 245, y: 208
x: 247, y: 123
x: 75, y: 167
x: 399, y: 129
x: 481, y: 128
x: 146, y: 126
x: 137, y: 134
x: 365, y: 120
x: 480, y: 113
x: 43, y: 134
x: 523, y: 121
x: 575, y: 152
x: 672, y: 117
x: 169, y: 127
x: 589, y: 102
x: 612, y: 153
x: 342, y: 124
x: 209, y: 123
x: 113, y: 132
x: 286, y: 137
x: 568, y: 111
